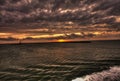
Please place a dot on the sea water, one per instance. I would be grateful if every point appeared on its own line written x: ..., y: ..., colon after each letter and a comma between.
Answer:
x: 95, y: 61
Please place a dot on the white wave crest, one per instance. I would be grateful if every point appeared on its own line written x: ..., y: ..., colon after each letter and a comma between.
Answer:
x: 113, y: 74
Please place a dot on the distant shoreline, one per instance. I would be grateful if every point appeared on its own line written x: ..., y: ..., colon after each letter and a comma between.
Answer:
x: 86, y: 41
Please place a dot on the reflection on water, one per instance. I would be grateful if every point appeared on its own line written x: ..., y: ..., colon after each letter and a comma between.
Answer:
x: 57, y: 61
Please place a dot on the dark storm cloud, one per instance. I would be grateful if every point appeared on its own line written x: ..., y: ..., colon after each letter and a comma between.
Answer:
x: 84, y: 12
x: 34, y: 10
x: 7, y: 39
x: 109, y: 4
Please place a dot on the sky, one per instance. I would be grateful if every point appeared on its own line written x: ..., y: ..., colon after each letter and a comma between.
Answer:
x: 48, y: 20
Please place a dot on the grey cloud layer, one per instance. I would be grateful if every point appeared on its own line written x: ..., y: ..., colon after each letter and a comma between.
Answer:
x: 85, y: 11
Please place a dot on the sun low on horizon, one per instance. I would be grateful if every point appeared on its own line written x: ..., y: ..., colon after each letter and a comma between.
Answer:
x: 31, y: 20
x: 61, y: 40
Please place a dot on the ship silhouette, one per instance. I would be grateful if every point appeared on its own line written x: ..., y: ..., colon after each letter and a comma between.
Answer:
x: 20, y: 41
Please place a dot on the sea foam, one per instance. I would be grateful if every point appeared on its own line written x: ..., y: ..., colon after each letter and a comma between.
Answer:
x: 113, y: 74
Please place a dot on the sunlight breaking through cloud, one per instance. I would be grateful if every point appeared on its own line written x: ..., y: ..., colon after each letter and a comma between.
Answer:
x: 38, y: 18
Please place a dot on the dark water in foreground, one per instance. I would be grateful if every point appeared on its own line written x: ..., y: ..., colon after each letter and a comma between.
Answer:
x: 61, y: 62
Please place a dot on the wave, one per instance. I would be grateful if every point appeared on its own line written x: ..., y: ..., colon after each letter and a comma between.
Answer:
x: 113, y: 74
x: 58, y: 72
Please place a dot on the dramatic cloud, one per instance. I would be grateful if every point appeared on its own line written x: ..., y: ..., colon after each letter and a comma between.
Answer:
x: 87, y: 11
x: 8, y: 39
x: 41, y: 17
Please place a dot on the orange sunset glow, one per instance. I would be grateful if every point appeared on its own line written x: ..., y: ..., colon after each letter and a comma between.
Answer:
x: 62, y: 40
x: 68, y: 20
x: 60, y: 37
x: 59, y: 40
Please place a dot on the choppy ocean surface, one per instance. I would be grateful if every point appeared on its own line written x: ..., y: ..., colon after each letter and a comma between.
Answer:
x: 96, y: 61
